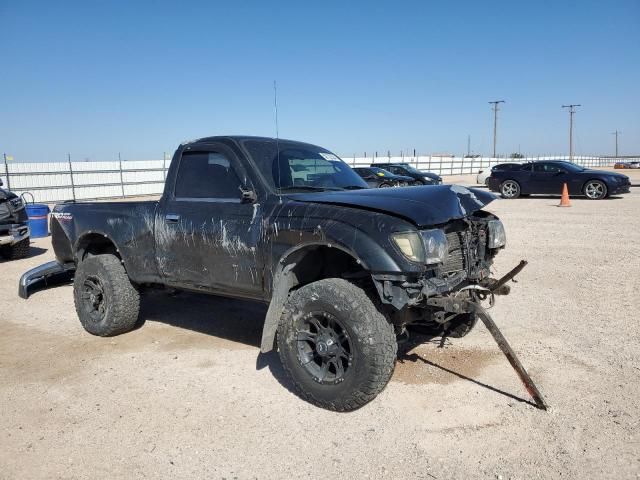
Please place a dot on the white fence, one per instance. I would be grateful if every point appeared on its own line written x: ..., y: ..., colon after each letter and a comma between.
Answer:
x: 51, y: 182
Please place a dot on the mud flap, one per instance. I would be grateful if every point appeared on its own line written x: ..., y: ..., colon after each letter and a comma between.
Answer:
x: 45, y: 275
x: 283, y: 282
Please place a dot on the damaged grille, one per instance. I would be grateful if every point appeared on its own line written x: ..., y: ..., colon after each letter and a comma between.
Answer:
x: 457, y: 259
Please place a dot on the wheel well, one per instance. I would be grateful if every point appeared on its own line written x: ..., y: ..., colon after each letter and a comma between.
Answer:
x: 95, y: 244
x: 318, y: 262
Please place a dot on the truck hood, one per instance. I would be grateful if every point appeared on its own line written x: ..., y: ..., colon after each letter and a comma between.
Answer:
x: 424, y: 206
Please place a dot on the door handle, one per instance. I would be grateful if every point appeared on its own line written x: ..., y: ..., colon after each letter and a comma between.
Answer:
x: 172, y: 217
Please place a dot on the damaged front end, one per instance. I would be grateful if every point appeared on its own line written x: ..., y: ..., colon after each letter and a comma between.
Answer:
x: 457, y: 256
x: 447, y: 298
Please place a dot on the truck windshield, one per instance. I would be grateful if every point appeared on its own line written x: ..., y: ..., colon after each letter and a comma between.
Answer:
x: 297, y: 166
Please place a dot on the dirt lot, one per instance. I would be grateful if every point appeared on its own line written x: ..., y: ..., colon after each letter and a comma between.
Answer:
x: 188, y: 395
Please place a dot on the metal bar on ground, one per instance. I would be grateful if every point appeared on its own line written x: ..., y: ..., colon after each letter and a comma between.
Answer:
x: 511, y: 356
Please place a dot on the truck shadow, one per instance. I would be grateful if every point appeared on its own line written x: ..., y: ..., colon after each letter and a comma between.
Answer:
x: 406, y: 354
x: 237, y: 321
x: 241, y: 321
x: 33, y: 252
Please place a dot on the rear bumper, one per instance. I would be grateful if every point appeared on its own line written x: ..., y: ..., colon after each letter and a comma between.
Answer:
x: 12, y: 234
x: 493, y: 184
x: 47, y: 274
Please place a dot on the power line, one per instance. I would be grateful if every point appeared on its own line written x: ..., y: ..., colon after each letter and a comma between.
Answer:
x: 572, y: 110
x: 495, y: 123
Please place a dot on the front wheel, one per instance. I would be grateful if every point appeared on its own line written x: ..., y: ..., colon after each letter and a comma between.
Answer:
x: 510, y: 189
x: 338, y: 349
x: 595, y: 190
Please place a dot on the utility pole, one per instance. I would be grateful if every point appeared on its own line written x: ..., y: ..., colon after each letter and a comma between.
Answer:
x: 468, y: 145
x: 495, y: 108
x: 616, y: 133
x: 572, y: 110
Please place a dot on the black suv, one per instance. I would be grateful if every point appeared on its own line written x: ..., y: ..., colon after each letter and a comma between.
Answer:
x: 419, y: 177
x: 14, y: 227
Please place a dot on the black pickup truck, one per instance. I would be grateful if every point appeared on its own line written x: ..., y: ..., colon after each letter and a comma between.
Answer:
x: 345, y: 269
x: 14, y: 226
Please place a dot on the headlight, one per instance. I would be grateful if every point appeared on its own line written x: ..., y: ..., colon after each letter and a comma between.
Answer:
x: 410, y: 244
x: 426, y: 246
x: 497, y: 235
x: 435, y: 245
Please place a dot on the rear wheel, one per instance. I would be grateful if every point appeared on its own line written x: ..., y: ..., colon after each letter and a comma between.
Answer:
x: 106, y: 301
x: 385, y: 185
x: 16, y: 251
x: 334, y: 344
x: 510, y: 189
x: 595, y: 190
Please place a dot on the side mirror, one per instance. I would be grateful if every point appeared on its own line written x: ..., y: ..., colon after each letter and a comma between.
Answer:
x: 247, y: 195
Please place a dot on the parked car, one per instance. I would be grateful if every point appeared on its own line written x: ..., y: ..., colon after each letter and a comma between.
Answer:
x: 483, y: 175
x: 404, y: 169
x: 621, y: 165
x: 548, y: 177
x: 344, y: 269
x: 14, y: 226
x: 380, y: 178
x: 634, y: 165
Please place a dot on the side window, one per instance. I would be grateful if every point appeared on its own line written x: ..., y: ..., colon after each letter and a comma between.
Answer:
x: 545, y: 168
x: 206, y: 175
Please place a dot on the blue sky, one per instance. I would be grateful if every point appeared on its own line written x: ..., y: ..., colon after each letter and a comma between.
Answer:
x: 97, y: 78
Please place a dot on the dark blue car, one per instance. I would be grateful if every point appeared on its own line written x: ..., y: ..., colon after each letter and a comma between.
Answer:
x: 548, y: 177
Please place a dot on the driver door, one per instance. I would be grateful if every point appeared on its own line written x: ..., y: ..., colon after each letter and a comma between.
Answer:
x: 548, y: 178
x: 207, y: 232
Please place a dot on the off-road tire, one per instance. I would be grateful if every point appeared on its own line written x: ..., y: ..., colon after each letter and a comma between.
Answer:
x: 461, y: 325
x: 16, y: 251
x: 510, y: 189
x: 373, y: 342
x: 458, y: 327
x: 122, y: 300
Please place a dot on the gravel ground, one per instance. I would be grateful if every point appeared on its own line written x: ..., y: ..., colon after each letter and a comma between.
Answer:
x: 188, y: 395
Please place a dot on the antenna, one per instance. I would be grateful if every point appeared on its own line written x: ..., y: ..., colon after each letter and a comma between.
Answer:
x: 275, y: 109
x: 275, y: 106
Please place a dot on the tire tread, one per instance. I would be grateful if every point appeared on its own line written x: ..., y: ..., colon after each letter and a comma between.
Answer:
x: 382, y: 343
x: 125, y: 307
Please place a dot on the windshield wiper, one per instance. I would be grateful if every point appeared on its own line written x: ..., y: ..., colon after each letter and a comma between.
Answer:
x: 354, y: 187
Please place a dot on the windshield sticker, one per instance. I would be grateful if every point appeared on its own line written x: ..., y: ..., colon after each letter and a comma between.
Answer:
x: 329, y: 156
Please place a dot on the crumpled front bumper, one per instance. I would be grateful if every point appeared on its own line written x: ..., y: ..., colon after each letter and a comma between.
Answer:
x: 12, y: 234
x: 47, y: 274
